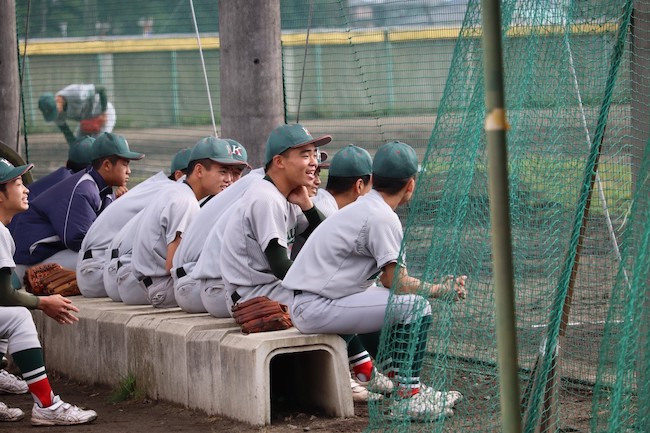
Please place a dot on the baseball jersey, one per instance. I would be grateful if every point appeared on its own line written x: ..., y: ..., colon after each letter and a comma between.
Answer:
x: 207, y: 265
x: 194, y: 243
x: 325, y: 202
x: 169, y: 214
x: 348, y: 249
x: 123, y: 240
x: 82, y: 102
x: 108, y: 223
x: 262, y: 215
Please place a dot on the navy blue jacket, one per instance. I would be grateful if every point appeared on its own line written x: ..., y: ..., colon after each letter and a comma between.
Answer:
x: 40, y: 185
x: 59, y: 217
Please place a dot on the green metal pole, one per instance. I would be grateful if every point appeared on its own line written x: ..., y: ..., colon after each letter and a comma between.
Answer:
x: 495, y: 128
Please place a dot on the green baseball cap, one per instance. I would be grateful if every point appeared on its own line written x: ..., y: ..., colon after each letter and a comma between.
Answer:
x: 238, y: 151
x: 9, y: 172
x: 351, y: 161
x: 286, y: 137
x: 109, y: 144
x: 47, y: 105
x: 181, y: 160
x: 395, y: 160
x: 216, y: 149
x: 80, y: 152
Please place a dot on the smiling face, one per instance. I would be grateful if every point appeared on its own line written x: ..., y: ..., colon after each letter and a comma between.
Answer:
x: 300, y: 165
x: 313, y: 188
x: 214, y: 179
x: 13, y: 198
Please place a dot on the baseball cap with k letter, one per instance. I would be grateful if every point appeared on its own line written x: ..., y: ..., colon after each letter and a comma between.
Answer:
x: 9, y: 172
x: 395, y: 160
x: 216, y: 149
x: 286, y: 137
x: 351, y: 161
x: 109, y: 144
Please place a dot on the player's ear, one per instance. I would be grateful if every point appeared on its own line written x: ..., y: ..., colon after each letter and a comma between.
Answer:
x: 278, y: 160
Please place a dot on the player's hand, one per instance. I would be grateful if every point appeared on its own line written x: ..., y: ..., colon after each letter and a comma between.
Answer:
x: 59, y: 308
x: 300, y: 196
x: 456, y: 285
x: 120, y: 191
x: 452, y: 288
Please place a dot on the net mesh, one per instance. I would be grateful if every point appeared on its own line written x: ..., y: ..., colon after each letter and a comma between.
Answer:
x: 576, y: 84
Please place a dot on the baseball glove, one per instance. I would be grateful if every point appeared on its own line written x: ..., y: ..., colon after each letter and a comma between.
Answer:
x: 51, y: 279
x: 261, y: 314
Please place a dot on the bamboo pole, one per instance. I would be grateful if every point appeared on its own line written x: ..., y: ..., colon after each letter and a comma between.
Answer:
x: 495, y: 128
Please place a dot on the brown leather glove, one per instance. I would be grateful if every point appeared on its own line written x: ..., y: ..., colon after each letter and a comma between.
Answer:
x: 261, y: 314
x: 51, y: 279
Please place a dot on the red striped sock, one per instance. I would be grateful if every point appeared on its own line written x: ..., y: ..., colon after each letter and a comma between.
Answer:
x: 362, y: 366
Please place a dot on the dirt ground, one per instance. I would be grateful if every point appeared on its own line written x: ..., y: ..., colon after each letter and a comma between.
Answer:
x: 146, y: 416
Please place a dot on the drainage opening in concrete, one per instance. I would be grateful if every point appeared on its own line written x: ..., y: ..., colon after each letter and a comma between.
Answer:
x: 303, y: 382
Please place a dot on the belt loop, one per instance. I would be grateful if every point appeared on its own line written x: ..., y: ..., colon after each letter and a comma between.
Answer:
x: 235, y: 297
x: 147, y: 281
x: 119, y: 264
x: 115, y: 253
x: 297, y: 292
x: 180, y: 272
x: 88, y: 254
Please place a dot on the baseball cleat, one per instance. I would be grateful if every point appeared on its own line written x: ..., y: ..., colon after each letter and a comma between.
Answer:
x: 11, y: 384
x: 61, y: 413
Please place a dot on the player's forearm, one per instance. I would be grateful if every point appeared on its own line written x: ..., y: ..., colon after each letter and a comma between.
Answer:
x: 314, y: 218
x: 10, y: 297
x: 278, y: 258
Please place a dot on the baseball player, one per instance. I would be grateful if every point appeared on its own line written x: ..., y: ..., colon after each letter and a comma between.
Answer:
x: 79, y: 158
x: 85, y: 103
x: 186, y: 285
x: 57, y: 221
x: 349, y: 178
x: 17, y: 330
x: 165, y: 219
x: 179, y: 164
x: 254, y: 256
x: 350, y: 249
x: 94, y: 252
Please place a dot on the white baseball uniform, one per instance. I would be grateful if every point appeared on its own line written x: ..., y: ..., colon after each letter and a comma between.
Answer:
x: 349, y: 249
x: 208, y: 272
x: 166, y: 216
x: 119, y: 282
x: 326, y: 204
x: 193, y: 245
x: 92, y: 256
x: 262, y: 215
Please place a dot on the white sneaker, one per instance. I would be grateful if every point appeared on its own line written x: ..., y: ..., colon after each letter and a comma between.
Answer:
x: 11, y: 384
x: 421, y: 407
x: 10, y: 413
x: 449, y: 398
x: 61, y: 413
x: 360, y: 393
x: 380, y: 383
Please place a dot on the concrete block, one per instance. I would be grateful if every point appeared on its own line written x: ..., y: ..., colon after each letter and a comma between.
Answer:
x: 308, y: 370
x: 112, y: 350
x: 174, y: 361
x: 141, y: 347
x: 204, y: 369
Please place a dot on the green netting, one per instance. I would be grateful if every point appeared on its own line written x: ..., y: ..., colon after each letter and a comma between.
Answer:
x: 377, y: 70
x: 568, y: 101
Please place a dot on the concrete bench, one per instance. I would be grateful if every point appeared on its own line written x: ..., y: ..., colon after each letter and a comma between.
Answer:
x: 199, y: 361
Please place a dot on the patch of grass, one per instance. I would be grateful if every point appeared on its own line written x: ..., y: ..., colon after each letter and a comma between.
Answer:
x: 127, y: 390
